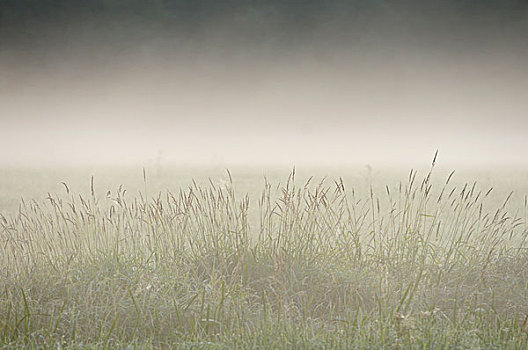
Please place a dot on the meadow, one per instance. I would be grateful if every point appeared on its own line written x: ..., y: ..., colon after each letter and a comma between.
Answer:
x: 263, y: 258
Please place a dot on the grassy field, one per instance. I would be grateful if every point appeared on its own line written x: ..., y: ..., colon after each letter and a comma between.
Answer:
x: 263, y: 258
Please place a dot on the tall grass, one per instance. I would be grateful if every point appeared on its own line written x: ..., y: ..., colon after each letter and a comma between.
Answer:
x: 310, y: 266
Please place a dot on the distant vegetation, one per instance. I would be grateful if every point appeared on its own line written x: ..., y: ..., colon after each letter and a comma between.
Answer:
x: 312, y: 266
x: 38, y: 21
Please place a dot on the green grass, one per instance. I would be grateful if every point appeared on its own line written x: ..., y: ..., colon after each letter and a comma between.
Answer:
x: 311, y: 265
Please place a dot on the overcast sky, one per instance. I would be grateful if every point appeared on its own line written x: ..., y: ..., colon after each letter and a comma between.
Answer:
x: 264, y: 82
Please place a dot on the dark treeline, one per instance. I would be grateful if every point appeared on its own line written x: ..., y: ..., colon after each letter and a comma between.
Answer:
x: 29, y: 21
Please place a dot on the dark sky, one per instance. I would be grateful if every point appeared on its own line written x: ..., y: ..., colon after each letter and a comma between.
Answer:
x: 220, y: 82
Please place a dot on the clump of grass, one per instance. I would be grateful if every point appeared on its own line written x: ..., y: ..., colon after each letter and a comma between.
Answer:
x: 317, y: 267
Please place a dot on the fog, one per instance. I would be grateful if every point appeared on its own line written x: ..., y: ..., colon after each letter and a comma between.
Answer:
x: 387, y: 85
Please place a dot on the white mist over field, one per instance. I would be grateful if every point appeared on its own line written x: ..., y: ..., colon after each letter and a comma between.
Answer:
x: 291, y: 111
